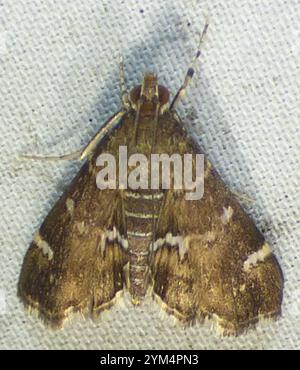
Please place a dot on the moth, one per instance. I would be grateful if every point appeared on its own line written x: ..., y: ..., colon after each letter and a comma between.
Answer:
x: 199, y: 259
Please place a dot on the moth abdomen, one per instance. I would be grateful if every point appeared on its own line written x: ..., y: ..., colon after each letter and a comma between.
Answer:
x: 141, y: 211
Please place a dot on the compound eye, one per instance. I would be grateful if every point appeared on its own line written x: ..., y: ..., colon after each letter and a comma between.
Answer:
x: 164, y: 95
x: 135, y: 94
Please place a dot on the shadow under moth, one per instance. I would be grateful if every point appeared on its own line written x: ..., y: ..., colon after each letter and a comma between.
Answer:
x: 198, y: 258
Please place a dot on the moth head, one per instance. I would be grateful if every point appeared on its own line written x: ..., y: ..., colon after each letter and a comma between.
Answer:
x: 150, y: 95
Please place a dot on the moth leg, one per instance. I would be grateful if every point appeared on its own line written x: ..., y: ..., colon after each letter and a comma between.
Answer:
x: 190, y: 72
x: 86, y: 150
x: 110, y: 124
x: 71, y: 156
x: 123, y: 89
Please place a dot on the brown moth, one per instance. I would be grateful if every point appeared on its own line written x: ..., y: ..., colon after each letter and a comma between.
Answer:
x: 199, y: 259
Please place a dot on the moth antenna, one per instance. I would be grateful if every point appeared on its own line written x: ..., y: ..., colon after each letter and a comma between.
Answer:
x: 191, y: 70
x: 123, y: 88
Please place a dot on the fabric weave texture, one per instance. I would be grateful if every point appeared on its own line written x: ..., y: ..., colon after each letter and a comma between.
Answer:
x: 58, y: 85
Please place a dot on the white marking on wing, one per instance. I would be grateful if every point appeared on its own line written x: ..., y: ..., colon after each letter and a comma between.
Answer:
x: 70, y: 205
x: 226, y: 215
x: 113, y: 236
x: 256, y: 257
x: 41, y: 243
x: 182, y: 243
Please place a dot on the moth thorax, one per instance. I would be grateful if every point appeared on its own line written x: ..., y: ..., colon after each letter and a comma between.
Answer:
x: 149, y: 96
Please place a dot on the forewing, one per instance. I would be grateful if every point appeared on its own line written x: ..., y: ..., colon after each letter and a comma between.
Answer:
x: 210, y: 260
x: 76, y: 260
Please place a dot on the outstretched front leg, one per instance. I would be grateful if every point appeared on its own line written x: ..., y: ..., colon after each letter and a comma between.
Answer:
x: 86, y: 150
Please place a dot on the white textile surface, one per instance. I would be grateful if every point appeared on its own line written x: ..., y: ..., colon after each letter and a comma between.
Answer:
x: 58, y: 85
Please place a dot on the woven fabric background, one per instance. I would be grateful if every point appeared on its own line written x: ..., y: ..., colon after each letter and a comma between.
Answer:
x: 58, y: 85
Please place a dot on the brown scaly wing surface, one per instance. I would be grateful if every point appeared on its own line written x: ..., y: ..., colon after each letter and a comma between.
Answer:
x: 210, y: 259
x: 75, y: 262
